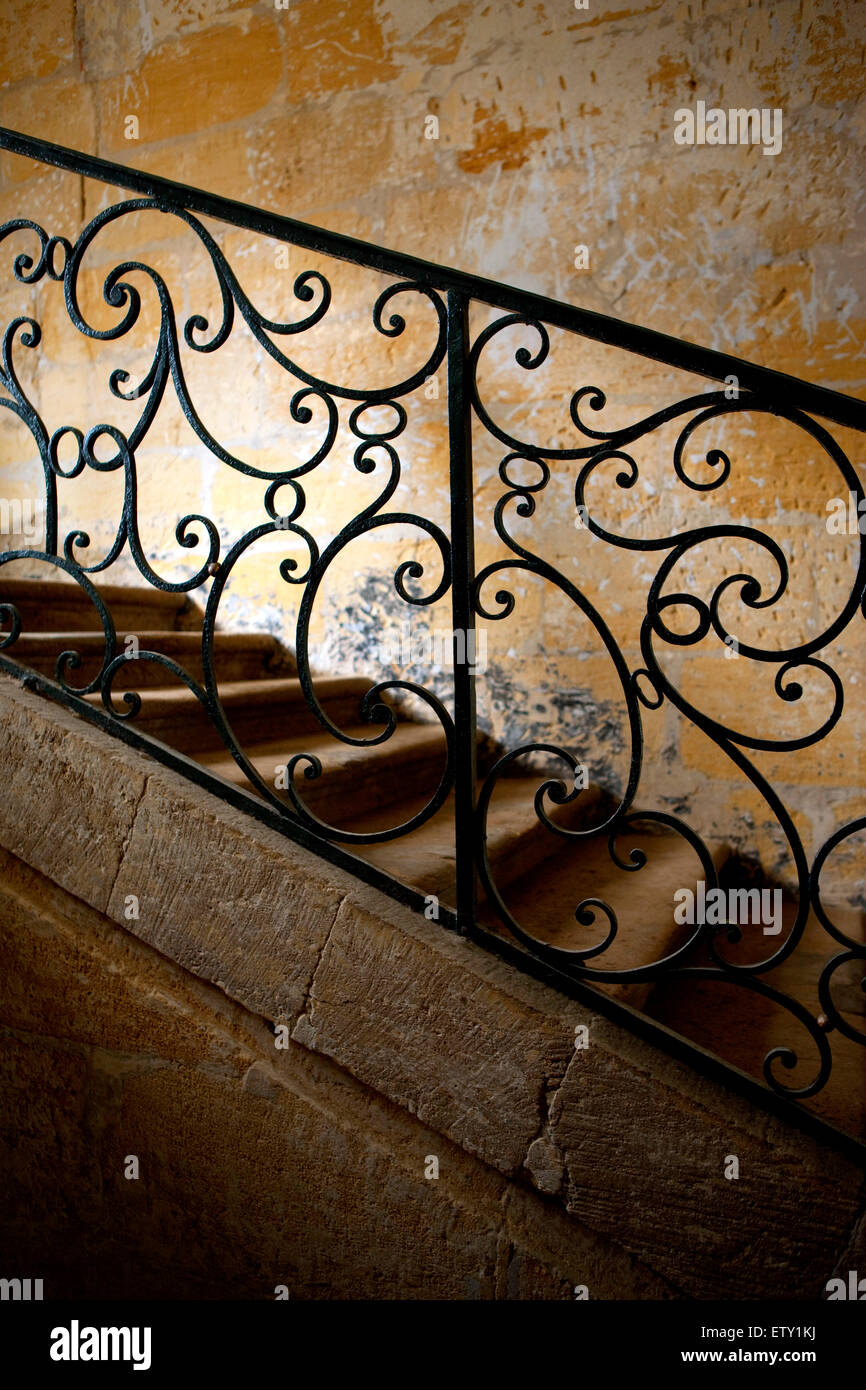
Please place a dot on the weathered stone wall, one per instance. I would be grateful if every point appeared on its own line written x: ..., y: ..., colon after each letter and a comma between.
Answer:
x: 308, y: 1165
x: 555, y: 130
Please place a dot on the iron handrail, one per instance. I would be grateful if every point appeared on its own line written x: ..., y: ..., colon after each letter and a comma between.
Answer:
x: 832, y: 405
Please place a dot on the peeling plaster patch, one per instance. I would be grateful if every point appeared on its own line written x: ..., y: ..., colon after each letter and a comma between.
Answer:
x: 360, y: 633
x: 668, y: 76
x: 495, y: 143
x: 584, y: 725
x: 440, y: 41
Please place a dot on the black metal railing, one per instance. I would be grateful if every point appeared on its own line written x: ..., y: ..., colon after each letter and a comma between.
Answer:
x: 706, y: 952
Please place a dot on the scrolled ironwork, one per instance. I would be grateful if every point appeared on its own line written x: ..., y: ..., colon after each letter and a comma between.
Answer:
x: 284, y: 513
x: 650, y: 686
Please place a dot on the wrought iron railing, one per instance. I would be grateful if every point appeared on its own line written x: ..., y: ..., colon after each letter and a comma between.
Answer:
x: 705, y: 953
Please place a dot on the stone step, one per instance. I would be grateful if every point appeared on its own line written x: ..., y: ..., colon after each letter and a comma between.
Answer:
x: 544, y: 903
x: 355, y: 779
x: 237, y: 656
x: 49, y: 605
x: 516, y: 841
x: 743, y: 1027
x: 261, y: 711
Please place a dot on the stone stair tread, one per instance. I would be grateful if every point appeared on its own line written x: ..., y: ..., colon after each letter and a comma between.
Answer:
x: 642, y: 900
x: 67, y: 588
x: 742, y: 1027
x: 255, y: 709
x: 425, y: 858
x: 406, y: 740
x: 178, y: 701
x: 253, y: 655
x: 354, y: 777
x: 183, y: 639
x: 41, y: 600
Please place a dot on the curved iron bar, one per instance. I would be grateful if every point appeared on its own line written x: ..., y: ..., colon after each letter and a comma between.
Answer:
x: 9, y: 613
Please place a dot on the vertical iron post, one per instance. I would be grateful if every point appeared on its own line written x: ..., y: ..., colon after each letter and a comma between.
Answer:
x: 463, y: 615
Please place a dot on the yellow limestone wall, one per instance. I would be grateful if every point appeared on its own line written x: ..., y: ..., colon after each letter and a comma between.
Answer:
x: 554, y: 131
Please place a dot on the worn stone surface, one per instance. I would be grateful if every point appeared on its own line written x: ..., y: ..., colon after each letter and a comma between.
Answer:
x: 395, y: 1024
x: 263, y: 914
x: 659, y: 1182
x: 247, y: 914
x: 76, y: 826
x: 257, y: 1167
x: 421, y: 1019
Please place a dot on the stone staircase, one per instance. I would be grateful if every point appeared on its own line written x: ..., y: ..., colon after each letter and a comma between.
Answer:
x: 373, y: 787
x: 362, y: 789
